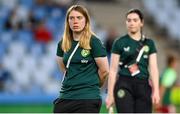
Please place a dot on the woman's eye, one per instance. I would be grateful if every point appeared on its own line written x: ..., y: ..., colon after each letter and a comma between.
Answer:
x: 71, y: 18
x: 128, y: 20
x: 79, y: 17
x: 135, y: 20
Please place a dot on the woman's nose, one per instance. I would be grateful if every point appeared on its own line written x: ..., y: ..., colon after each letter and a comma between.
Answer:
x: 75, y: 20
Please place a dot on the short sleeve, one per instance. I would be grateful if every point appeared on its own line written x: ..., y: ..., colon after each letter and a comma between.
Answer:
x: 116, y: 47
x: 98, y: 49
x: 59, y: 51
x: 152, y: 47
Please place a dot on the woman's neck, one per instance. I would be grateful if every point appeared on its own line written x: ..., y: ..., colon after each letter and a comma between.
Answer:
x: 136, y: 36
x: 76, y: 36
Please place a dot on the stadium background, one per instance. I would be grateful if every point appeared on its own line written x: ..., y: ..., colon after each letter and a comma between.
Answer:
x: 30, y: 30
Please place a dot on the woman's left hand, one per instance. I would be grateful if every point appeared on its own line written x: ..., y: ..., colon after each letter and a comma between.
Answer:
x: 155, y: 97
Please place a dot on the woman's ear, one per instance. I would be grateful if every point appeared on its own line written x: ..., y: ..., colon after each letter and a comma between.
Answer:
x: 142, y: 23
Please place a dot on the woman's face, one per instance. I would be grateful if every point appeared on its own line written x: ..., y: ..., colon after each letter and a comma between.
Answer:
x: 133, y: 23
x: 76, y: 21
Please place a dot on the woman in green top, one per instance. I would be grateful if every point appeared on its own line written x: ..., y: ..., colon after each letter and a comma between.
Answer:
x: 167, y: 82
x: 82, y: 58
x: 132, y: 56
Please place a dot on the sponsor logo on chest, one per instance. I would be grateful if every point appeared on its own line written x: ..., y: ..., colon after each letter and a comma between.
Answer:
x: 127, y: 49
x: 84, y: 61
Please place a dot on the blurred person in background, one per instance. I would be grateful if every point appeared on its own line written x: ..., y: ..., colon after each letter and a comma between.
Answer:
x: 167, y: 82
x: 42, y: 34
x: 13, y: 22
x: 134, y: 58
x: 83, y: 60
x: 5, y: 76
x: 111, y: 35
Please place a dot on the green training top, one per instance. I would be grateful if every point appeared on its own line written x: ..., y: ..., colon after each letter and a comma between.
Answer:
x: 126, y: 46
x: 169, y: 77
x: 82, y: 79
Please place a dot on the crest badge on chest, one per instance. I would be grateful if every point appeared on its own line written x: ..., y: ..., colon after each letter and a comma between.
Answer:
x: 85, y: 52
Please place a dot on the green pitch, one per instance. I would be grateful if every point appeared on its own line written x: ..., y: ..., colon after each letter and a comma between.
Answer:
x: 39, y: 108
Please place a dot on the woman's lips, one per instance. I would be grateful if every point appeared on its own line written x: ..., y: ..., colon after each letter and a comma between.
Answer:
x: 75, y: 27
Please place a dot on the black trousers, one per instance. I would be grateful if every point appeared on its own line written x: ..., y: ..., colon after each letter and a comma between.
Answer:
x: 77, y: 106
x: 132, y: 95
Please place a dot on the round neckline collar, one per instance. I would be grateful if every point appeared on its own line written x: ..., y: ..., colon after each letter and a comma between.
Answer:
x: 75, y: 40
x: 133, y: 38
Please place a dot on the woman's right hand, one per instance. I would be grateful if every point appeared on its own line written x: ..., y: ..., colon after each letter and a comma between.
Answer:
x: 109, y: 101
